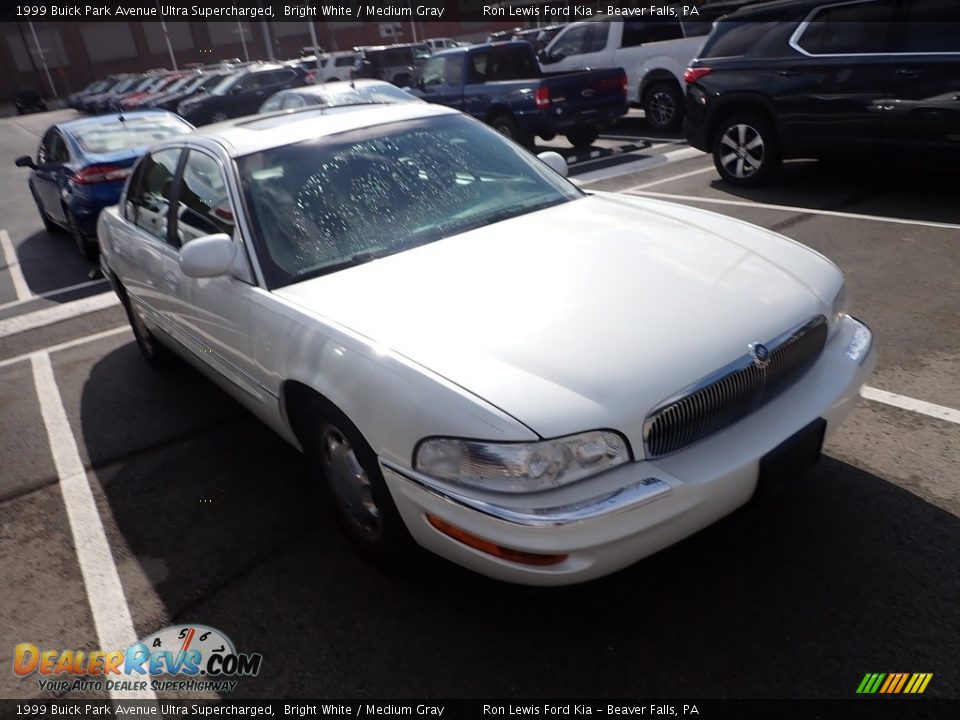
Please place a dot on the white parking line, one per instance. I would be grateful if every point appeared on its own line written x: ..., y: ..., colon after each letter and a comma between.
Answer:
x: 108, y: 604
x: 52, y: 315
x: 76, y: 342
x: 647, y: 162
x: 54, y: 293
x: 788, y: 208
x: 912, y: 404
x: 669, y: 178
x: 13, y: 265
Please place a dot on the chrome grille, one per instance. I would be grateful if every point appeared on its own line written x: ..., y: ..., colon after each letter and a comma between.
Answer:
x: 733, y: 392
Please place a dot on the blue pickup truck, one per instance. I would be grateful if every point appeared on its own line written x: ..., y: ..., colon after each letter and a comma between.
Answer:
x: 503, y: 85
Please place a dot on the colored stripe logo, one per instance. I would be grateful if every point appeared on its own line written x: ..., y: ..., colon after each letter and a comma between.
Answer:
x: 894, y: 683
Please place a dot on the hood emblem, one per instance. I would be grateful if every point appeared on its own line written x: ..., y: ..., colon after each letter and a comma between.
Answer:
x: 760, y: 354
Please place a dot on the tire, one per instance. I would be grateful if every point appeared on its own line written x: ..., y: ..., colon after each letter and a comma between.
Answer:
x: 87, y: 249
x: 663, y: 106
x: 353, y: 485
x: 508, y: 127
x: 49, y: 224
x: 745, y: 149
x: 583, y: 139
x: 153, y: 352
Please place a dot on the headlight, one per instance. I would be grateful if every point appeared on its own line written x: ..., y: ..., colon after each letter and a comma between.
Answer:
x: 521, y: 467
x: 840, y: 305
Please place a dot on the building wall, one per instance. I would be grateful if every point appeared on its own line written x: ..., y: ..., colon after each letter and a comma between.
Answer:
x: 77, y: 53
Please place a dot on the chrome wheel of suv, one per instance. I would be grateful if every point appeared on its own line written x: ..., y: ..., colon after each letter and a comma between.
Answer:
x: 745, y: 151
x: 741, y: 148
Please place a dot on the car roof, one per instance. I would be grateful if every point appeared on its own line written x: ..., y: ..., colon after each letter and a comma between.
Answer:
x: 775, y: 9
x: 72, y: 125
x: 251, y: 134
x: 335, y: 86
x: 481, y: 46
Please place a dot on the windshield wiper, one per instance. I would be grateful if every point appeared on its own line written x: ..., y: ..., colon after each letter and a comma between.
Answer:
x: 357, y: 259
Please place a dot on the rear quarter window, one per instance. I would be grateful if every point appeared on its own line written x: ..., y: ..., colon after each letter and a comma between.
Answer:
x: 854, y: 29
x: 735, y: 38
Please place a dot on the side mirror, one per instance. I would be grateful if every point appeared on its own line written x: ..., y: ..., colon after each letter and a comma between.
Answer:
x: 550, y: 58
x: 25, y: 161
x: 208, y: 256
x: 555, y: 161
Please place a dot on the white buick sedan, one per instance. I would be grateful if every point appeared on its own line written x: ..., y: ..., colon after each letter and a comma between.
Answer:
x: 539, y: 383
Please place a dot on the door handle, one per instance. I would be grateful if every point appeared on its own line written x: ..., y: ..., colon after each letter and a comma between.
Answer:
x: 907, y: 72
x: 788, y: 73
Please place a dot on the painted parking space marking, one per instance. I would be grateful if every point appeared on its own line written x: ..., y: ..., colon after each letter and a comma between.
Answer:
x: 669, y: 178
x: 648, y: 162
x: 52, y: 315
x: 12, y: 265
x: 108, y: 604
x: 912, y: 404
x: 53, y: 293
x: 638, y: 190
x: 76, y: 342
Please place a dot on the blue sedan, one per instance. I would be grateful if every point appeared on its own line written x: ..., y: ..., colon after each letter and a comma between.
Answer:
x: 81, y: 167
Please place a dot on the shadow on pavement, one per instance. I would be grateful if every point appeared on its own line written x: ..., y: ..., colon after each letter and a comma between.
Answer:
x: 862, y: 185
x: 50, y: 261
x: 797, y: 596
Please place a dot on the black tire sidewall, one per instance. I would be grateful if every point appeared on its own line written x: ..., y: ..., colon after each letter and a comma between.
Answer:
x: 151, y: 349
x: 86, y: 248
x: 583, y: 139
x: 675, y: 95
x: 393, y: 545
x: 516, y: 134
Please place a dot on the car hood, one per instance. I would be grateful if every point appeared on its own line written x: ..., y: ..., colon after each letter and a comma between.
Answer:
x: 585, y: 315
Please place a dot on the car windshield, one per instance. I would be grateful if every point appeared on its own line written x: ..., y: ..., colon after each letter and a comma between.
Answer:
x: 115, y: 134
x: 177, y: 84
x: 206, y: 82
x: 224, y: 85
x: 322, y: 205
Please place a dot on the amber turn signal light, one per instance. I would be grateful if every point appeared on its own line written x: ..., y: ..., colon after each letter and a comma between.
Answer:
x: 491, y: 548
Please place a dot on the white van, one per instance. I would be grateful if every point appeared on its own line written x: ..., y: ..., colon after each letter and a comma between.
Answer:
x: 653, y: 52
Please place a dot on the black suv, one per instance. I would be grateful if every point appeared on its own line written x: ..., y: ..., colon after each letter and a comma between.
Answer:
x: 820, y: 78
x: 240, y: 94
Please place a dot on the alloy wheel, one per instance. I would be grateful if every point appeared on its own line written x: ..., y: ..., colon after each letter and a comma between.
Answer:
x: 741, y: 150
x: 661, y: 108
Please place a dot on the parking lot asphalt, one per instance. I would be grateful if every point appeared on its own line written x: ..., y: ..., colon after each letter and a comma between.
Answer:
x: 207, y: 516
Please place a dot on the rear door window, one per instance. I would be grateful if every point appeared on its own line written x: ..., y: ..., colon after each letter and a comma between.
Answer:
x: 735, y: 39
x: 650, y: 31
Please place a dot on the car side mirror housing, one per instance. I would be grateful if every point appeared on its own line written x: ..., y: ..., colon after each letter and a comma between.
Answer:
x: 555, y: 161
x: 208, y: 256
x: 25, y: 161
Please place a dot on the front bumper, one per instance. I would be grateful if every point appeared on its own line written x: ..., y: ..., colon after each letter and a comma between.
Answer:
x: 614, y: 519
